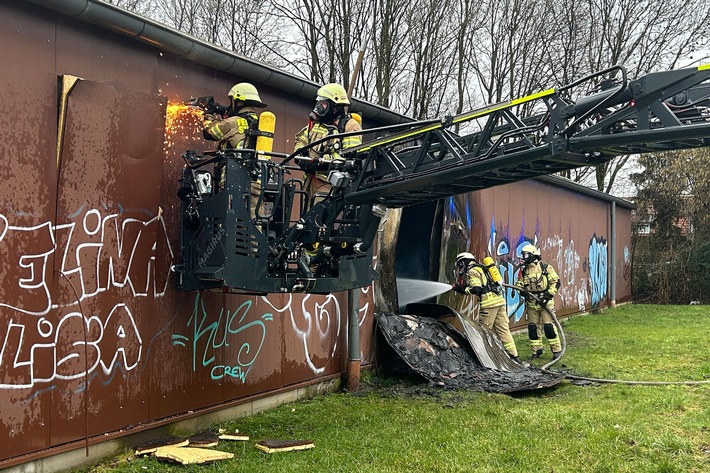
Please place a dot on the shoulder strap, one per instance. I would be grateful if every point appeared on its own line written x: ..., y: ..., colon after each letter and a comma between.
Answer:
x: 343, y: 122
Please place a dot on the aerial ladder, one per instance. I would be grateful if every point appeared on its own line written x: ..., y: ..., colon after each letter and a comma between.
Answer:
x: 224, y: 249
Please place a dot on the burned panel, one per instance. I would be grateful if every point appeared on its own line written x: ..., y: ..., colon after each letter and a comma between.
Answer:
x: 452, y: 359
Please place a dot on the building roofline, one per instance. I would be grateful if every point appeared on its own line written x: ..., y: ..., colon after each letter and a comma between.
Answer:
x: 131, y: 25
x: 571, y: 185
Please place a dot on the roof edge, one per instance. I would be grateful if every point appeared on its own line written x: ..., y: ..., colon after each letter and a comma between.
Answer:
x: 123, y: 22
x: 571, y: 185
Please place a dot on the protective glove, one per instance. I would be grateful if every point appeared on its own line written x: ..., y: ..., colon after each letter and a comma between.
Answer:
x: 546, y: 297
x: 459, y: 288
x: 308, y: 166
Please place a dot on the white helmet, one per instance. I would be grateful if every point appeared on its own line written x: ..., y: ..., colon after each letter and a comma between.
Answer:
x: 462, y: 258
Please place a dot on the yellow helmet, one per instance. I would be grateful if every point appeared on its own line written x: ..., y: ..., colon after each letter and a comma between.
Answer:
x: 530, y: 249
x: 529, y: 254
x: 246, y: 92
x: 334, y: 92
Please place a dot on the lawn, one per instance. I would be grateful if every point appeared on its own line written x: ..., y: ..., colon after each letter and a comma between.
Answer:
x: 404, y: 425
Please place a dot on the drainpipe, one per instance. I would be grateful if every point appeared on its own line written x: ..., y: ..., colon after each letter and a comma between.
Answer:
x: 613, y: 254
x: 352, y: 383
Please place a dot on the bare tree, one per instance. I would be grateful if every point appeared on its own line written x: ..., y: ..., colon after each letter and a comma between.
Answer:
x: 247, y: 27
x: 327, y: 33
x: 644, y: 36
x: 469, y: 24
x: 430, y: 69
x: 388, y: 47
x: 509, y: 60
x: 182, y: 15
x: 141, y: 7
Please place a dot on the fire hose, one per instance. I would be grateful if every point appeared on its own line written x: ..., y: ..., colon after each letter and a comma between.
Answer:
x: 563, y: 342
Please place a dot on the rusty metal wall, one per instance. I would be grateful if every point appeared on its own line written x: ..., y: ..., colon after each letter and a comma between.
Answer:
x: 94, y: 339
x: 571, y: 229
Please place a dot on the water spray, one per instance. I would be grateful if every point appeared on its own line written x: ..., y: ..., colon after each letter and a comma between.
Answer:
x: 416, y: 290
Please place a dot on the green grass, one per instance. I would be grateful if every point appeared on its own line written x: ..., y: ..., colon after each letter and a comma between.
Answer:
x: 396, y: 425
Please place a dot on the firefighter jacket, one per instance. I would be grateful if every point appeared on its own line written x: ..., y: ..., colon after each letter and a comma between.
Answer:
x: 327, y: 152
x: 491, y: 295
x: 540, y: 279
x: 232, y: 132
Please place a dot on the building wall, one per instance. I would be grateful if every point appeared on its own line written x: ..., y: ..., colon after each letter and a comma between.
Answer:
x: 572, y: 230
x: 95, y: 342
x: 94, y: 338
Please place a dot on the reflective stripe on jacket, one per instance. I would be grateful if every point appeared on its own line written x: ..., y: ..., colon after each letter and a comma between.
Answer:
x: 231, y: 131
x: 476, y: 277
x: 534, y: 279
x: 327, y: 151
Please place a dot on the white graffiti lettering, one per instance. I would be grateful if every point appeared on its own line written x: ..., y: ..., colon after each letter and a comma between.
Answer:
x: 71, y: 348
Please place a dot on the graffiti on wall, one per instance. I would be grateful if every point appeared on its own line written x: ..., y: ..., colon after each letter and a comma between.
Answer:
x: 99, y: 253
x: 577, y: 289
x: 94, y: 254
x: 48, y: 338
x: 318, y: 325
x: 207, y: 335
x: 507, y: 256
x: 583, y: 277
x: 598, y: 270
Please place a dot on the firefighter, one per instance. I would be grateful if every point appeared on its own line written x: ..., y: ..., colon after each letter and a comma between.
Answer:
x: 232, y: 129
x: 541, y: 280
x: 329, y: 117
x: 473, y: 278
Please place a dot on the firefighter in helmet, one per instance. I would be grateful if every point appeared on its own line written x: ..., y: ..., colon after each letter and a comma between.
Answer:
x: 541, y: 280
x: 329, y: 117
x: 473, y: 278
x: 234, y: 129
x: 231, y: 128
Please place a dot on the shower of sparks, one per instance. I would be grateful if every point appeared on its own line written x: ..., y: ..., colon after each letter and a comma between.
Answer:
x: 183, y: 124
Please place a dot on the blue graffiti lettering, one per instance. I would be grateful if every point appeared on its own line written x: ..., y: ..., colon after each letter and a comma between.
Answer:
x: 512, y: 297
x: 223, y: 371
x: 598, y: 262
x: 210, y: 336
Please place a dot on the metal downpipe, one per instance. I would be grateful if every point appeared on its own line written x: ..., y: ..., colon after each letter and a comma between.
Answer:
x: 352, y: 382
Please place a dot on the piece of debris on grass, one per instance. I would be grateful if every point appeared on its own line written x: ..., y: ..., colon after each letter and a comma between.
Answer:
x: 273, y: 446
x: 204, y: 439
x: 190, y: 455
x: 150, y: 447
x: 237, y: 436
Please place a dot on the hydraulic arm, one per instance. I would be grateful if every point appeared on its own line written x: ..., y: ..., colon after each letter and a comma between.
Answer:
x: 223, y: 248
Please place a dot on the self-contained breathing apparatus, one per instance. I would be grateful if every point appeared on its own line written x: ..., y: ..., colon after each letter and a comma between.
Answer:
x: 466, y: 261
x: 540, y: 286
x: 331, y: 148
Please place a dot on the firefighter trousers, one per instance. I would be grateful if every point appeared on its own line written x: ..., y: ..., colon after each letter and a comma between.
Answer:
x: 540, y: 323
x: 496, y: 319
